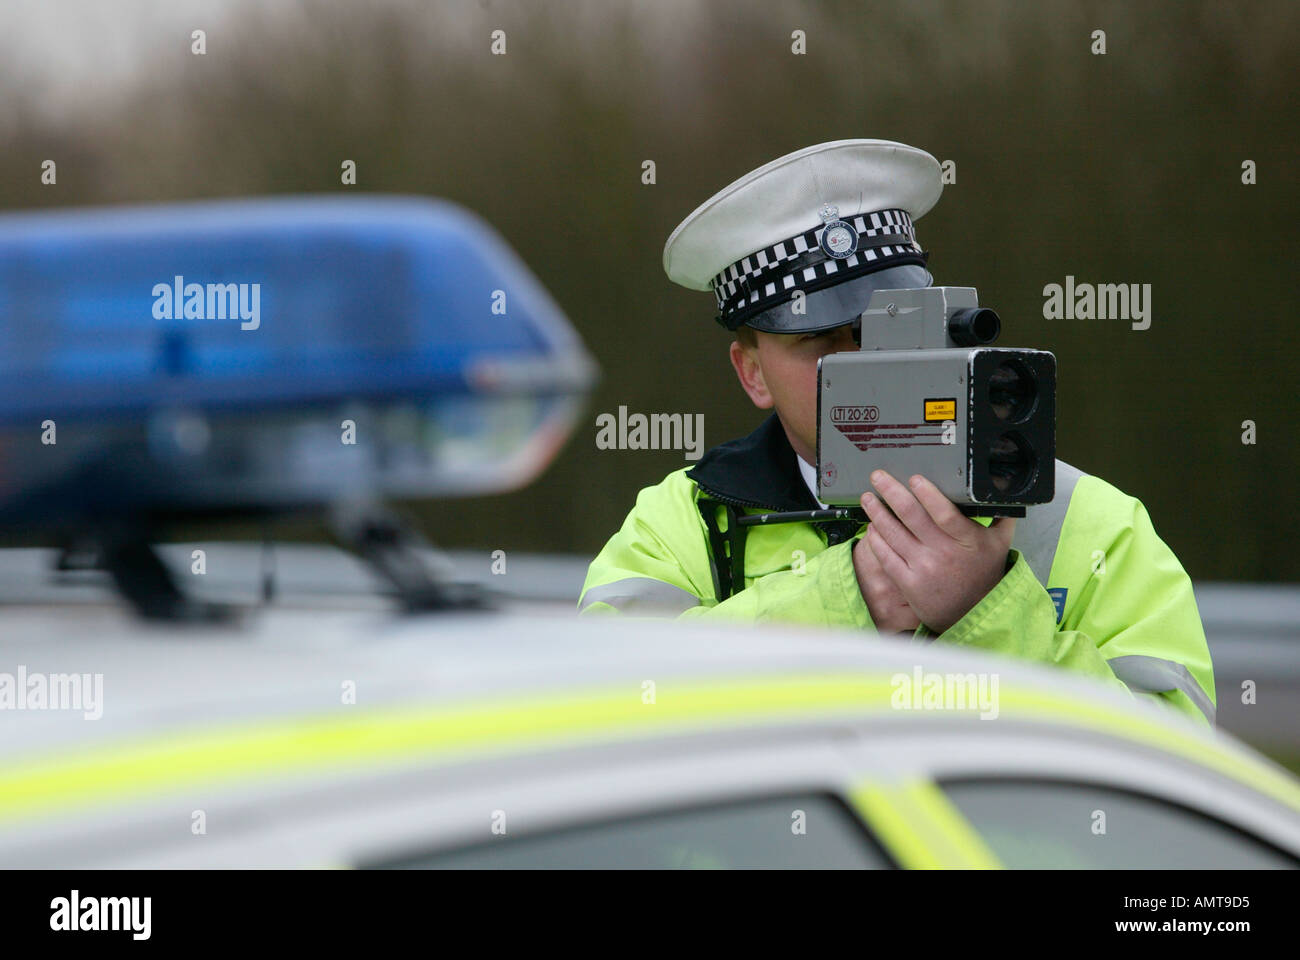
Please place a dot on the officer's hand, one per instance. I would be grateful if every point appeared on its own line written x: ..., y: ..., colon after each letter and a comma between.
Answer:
x: 889, y: 611
x: 942, y: 562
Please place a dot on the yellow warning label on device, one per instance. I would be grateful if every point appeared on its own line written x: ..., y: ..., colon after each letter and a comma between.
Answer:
x: 940, y: 410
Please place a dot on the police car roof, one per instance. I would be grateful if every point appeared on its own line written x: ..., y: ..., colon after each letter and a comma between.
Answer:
x: 253, y: 707
x: 329, y: 625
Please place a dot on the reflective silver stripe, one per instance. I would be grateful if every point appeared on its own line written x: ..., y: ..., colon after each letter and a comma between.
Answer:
x: 641, y: 595
x: 1153, y: 675
x: 1039, y: 531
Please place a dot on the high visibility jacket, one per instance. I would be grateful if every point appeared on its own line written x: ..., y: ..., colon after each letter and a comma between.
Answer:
x: 1089, y: 585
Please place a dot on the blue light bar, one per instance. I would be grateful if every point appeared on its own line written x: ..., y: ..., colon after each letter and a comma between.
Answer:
x: 168, y: 338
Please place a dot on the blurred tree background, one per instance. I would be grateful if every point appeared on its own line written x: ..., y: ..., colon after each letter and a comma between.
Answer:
x: 1119, y: 168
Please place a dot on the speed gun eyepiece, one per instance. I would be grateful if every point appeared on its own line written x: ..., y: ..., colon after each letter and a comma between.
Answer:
x: 974, y: 327
x: 926, y: 394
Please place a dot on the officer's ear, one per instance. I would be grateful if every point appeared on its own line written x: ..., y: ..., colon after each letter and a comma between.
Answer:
x: 744, y: 359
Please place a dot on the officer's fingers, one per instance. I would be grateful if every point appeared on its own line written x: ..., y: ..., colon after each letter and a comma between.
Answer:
x: 1003, y: 529
x: 907, y: 508
x: 888, y: 526
x: 895, y: 567
x: 942, y: 510
x: 865, y: 559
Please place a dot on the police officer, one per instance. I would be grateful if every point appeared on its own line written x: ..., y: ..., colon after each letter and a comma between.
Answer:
x: 1083, y: 582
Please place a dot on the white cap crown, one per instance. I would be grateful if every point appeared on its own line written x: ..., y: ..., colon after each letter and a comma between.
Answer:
x: 809, y: 219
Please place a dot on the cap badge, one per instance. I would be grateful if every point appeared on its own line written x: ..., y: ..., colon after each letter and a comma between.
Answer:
x: 839, y: 239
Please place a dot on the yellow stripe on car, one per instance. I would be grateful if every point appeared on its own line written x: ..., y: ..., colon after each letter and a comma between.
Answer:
x: 357, y: 738
x: 920, y: 826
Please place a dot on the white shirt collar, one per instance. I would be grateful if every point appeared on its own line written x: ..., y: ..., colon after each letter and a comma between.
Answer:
x: 809, y: 478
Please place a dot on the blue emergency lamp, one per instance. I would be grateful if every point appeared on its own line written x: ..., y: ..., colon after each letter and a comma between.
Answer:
x: 271, y: 354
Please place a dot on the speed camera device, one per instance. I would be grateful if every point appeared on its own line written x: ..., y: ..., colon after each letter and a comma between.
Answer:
x: 928, y: 394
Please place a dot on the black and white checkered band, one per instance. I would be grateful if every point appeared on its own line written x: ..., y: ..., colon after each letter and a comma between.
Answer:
x: 768, y: 276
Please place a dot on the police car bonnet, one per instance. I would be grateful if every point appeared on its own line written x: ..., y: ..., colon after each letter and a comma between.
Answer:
x: 832, y: 220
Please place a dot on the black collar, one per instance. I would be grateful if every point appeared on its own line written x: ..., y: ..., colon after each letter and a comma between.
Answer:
x: 760, y: 470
